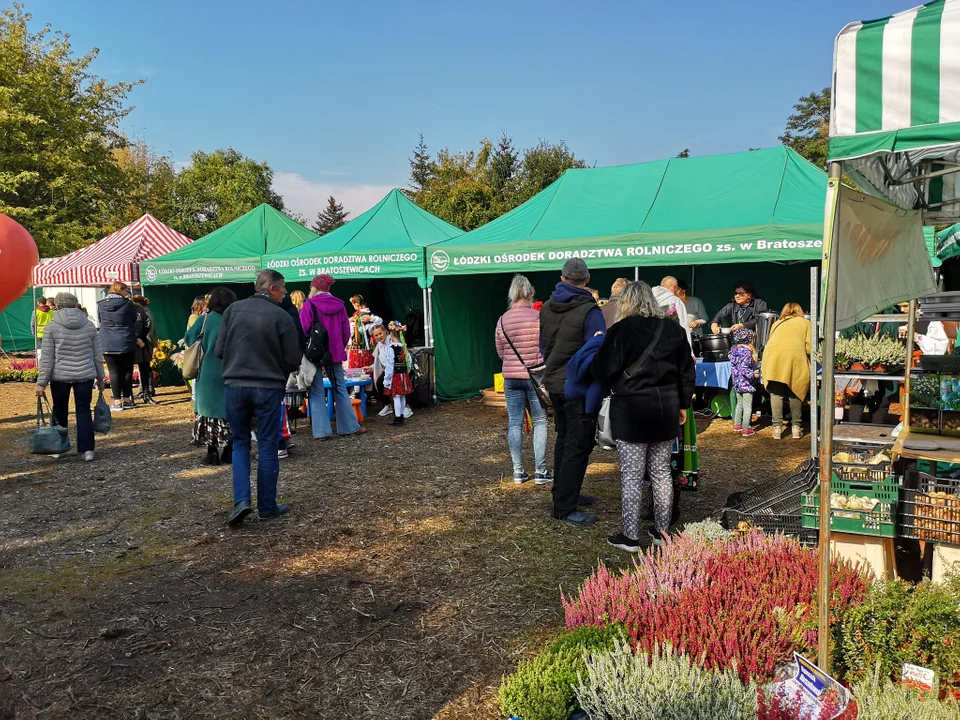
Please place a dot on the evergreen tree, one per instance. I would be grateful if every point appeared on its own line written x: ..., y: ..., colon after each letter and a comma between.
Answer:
x: 331, y: 217
x: 685, y: 153
x: 421, y: 167
x: 503, y: 171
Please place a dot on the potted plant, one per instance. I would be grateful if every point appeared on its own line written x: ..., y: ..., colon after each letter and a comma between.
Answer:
x: 856, y: 351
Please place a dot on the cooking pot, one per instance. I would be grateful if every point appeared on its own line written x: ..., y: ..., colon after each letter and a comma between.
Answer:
x: 765, y: 321
x: 715, y: 348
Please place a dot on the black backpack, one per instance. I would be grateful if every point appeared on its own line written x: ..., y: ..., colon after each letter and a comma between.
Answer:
x: 318, y: 343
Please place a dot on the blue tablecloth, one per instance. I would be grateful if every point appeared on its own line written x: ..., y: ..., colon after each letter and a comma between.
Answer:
x: 715, y: 375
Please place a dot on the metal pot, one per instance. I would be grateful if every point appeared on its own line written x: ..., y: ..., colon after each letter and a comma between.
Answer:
x: 765, y: 321
x: 715, y: 348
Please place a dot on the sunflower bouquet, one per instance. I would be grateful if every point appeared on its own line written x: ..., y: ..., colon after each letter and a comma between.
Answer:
x: 162, y: 353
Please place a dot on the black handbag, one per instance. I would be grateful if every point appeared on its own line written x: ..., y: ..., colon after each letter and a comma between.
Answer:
x: 536, y: 373
x: 48, y: 438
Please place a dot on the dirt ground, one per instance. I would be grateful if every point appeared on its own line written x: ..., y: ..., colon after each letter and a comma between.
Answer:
x: 410, y: 575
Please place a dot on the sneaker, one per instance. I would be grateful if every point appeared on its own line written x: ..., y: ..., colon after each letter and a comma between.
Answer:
x: 281, y: 453
x: 290, y: 445
x: 115, y: 407
x: 622, y: 542
x: 578, y: 517
x: 408, y: 412
x: 748, y: 432
x: 280, y: 510
x: 797, y: 432
x: 88, y: 456
x: 656, y: 537
x: 738, y: 429
x: 520, y: 477
x: 128, y: 404
x: 543, y: 478
x: 239, y: 512
x: 387, y: 410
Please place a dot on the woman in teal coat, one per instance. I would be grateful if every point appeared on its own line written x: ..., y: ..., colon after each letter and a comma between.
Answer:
x: 210, y: 426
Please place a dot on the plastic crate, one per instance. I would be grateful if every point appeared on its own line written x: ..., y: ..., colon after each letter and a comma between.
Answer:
x: 782, y: 488
x: 932, y: 510
x: 941, y: 298
x: 770, y: 523
x: 881, y: 521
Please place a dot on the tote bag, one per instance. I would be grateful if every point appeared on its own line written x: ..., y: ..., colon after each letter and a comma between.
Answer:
x: 47, y: 438
x: 193, y: 355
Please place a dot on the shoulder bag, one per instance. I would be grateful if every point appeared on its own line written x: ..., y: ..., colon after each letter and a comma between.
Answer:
x: 48, y: 438
x: 605, y: 437
x: 536, y: 373
x: 193, y: 355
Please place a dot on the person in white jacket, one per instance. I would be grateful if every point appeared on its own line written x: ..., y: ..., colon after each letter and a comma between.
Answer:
x: 382, y: 370
x: 666, y: 296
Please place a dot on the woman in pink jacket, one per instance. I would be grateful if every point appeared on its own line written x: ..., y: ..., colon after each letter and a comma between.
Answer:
x: 518, y: 345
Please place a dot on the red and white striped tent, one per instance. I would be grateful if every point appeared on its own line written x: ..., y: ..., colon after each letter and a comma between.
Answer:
x: 115, y: 258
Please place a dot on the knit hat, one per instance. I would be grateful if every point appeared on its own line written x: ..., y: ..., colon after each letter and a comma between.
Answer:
x: 742, y: 336
x: 322, y: 283
x: 66, y: 300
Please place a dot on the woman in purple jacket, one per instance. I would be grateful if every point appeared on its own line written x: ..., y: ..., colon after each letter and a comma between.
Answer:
x: 322, y: 307
x: 520, y: 325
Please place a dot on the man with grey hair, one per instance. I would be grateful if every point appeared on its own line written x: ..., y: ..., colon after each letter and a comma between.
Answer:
x: 610, y: 309
x: 666, y: 296
x: 260, y: 347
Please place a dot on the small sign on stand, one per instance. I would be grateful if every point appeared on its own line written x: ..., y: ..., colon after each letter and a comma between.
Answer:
x: 810, y: 685
x: 920, y: 678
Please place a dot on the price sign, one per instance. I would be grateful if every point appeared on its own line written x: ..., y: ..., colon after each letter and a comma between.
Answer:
x: 921, y: 678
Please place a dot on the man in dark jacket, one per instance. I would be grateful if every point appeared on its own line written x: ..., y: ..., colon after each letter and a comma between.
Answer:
x: 567, y: 321
x: 259, y: 346
x: 742, y: 312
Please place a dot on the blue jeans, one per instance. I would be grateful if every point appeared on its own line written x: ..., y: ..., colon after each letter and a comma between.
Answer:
x: 319, y: 417
x: 244, y: 406
x: 520, y: 394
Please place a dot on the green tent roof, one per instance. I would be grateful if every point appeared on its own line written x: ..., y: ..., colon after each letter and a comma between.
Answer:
x: 759, y: 206
x: 231, y: 253
x: 386, y: 241
x: 948, y: 242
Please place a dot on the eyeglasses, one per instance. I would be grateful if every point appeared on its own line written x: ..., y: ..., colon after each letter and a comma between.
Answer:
x: 740, y: 294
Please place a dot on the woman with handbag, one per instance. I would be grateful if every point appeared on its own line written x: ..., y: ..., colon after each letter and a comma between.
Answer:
x: 517, y: 337
x: 646, y: 361
x: 210, y: 426
x: 71, y: 359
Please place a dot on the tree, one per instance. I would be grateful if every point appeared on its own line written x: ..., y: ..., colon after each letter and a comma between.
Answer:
x: 543, y: 164
x: 421, y: 167
x: 219, y: 187
x: 808, y: 129
x: 503, y: 172
x: 685, y: 153
x: 297, y: 217
x: 58, y: 130
x: 149, y: 182
x: 331, y: 217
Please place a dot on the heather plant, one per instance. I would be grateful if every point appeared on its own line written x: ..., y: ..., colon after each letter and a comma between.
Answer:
x: 542, y: 688
x: 772, y: 705
x: 663, y: 685
x: 708, y: 531
x: 897, y: 623
x: 747, y: 603
x: 879, y: 699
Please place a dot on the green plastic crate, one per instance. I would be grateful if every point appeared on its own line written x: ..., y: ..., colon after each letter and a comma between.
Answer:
x: 880, y: 522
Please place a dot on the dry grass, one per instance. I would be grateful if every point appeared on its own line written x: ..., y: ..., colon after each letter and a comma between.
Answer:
x: 407, y: 579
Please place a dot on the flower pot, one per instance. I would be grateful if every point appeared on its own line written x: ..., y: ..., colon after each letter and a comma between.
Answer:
x: 880, y: 367
x: 858, y: 367
x: 838, y: 413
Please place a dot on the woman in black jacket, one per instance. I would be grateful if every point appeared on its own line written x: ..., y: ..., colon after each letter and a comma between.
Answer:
x: 143, y: 354
x: 118, y: 338
x: 646, y: 361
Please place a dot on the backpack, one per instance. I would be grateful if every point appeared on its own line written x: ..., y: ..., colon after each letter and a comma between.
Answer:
x: 318, y: 342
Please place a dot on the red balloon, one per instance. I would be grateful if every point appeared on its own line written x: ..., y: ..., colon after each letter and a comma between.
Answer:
x: 18, y: 257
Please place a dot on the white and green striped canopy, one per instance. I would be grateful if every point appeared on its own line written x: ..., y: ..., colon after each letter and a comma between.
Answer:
x: 896, y: 106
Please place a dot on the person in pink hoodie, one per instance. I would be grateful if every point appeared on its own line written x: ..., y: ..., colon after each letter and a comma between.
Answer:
x: 322, y: 307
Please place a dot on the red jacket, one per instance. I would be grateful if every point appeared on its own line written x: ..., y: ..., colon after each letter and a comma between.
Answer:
x: 522, y: 325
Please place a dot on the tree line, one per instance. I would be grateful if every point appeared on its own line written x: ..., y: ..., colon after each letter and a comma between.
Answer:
x: 71, y: 176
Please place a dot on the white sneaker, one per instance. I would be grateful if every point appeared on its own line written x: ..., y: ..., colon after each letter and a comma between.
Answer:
x: 407, y: 412
x: 387, y: 410
x: 88, y: 456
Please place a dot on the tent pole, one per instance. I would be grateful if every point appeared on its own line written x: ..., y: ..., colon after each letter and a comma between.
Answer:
x: 831, y: 261
x: 636, y: 274
x: 433, y: 359
x: 693, y: 280
x: 814, y: 341
x: 426, y: 319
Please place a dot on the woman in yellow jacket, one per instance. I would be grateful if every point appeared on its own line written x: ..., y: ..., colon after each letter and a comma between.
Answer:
x: 786, y: 367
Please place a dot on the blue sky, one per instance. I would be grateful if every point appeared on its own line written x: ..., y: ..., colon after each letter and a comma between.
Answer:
x: 333, y: 95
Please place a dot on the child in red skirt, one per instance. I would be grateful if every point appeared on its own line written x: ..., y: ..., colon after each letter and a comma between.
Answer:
x: 395, y: 359
x: 360, y: 350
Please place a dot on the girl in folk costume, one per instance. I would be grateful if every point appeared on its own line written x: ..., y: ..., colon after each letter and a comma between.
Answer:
x: 393, y: 356
x: 360, y: 354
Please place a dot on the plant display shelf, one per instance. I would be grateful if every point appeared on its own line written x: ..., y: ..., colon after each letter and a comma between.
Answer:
x: 938, y: 456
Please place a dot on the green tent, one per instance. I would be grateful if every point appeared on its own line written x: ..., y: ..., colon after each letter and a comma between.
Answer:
x: 948, y: 242
x: 15, y: 333
x: 229, y: 254
x: 387, y: 241
x: 760, y: 206
x: 761, y: 210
